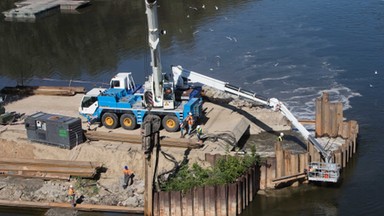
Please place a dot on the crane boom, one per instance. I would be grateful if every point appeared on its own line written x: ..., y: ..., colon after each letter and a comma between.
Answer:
x: 155, y: 81
x: 183, y: 76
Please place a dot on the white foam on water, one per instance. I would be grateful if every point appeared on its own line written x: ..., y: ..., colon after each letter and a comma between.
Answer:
x: 341, y: 94
x: 299, y: 91
x: 269, y: 79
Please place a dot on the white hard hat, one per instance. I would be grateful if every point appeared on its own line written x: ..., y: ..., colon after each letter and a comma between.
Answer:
x: 70, y: 186
x: 281, y: 134
x: 198, y: 126
x: 189, y: 113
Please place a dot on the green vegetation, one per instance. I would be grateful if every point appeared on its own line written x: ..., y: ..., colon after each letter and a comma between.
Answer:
x: 86, y: 186
x: 226, y: 170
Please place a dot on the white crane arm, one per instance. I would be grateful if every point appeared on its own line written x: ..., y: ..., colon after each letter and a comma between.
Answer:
x: 182, y: 77
x: 155, y: 80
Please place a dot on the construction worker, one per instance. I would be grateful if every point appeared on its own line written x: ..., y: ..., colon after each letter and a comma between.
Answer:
x: 199, y: 133
x: 280, y: 138
x: 128, y: 175
x: 190, y: 121
x: 72, y: 195
x: 182, y: 129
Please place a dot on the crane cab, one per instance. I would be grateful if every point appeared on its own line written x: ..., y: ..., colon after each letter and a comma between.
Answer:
x: 89, y: 102
x: 123, y: 81
x: 169, y: 96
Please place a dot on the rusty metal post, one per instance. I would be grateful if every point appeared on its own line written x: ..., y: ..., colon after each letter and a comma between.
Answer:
x: 325, y: 115
x: 280, y: 167
x: 318, y: 118
x: 150, y: 140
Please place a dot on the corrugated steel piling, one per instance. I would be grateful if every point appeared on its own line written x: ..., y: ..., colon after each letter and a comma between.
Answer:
x: 337, y: 136
x: 219, y: 200
x: 329, y: 123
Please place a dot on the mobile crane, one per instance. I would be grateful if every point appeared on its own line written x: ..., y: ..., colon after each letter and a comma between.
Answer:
x: 126, y: 104
x: 326, y: 171
x: 172, y: 100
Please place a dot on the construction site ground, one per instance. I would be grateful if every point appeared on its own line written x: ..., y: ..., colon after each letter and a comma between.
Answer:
x: 221, y: 116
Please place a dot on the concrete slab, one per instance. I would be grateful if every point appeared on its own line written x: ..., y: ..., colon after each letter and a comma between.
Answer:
x: 222, y: 120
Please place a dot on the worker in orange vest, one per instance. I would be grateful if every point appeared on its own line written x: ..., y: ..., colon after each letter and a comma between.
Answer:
x: 128, y: 175
x: 190, y: 121
x: 72, y: 195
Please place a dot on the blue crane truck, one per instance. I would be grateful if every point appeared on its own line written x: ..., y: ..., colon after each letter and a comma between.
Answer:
x: 126, y: 104
x: 123, y: 104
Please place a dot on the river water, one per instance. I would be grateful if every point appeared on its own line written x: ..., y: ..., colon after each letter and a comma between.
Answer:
x: 292, y: 50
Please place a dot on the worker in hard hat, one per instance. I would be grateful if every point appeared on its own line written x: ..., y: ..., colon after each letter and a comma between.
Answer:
x: 190, y: 122
x: 128, y: 177
x: 199, y: 133
x: 280, y: 138
x: 72, y: 195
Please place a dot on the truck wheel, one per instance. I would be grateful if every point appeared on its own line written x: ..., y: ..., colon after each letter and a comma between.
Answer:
x: 110, y: 120
x: 171, y: 123
x: 128, y: 121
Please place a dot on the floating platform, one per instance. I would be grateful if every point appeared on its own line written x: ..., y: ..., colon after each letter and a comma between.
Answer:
x: 29, y: 10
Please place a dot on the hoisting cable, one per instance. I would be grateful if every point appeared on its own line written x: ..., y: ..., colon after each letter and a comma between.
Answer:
x: 227, y: 137
x: 175, y: 169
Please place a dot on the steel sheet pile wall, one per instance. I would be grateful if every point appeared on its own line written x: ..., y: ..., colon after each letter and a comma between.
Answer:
x: 349, y: 147
x: 329, y: 122
x: 267, y: 173
x: 290, y: 167
x: 226, y: 200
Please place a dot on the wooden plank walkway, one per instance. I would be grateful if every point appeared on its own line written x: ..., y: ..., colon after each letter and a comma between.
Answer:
x: 43, y: 90
x: 82, y: 207
x: 32, y: 9
x: 48, y: 169
x: 137, y: 139
x: 57, y: 163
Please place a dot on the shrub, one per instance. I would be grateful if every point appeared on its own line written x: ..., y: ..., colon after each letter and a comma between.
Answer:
x: 226, y: 170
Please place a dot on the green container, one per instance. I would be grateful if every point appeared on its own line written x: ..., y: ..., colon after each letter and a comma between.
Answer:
x: 57, y: 130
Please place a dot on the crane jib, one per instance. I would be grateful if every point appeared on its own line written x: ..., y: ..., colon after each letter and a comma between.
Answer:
x: 245, y: 92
